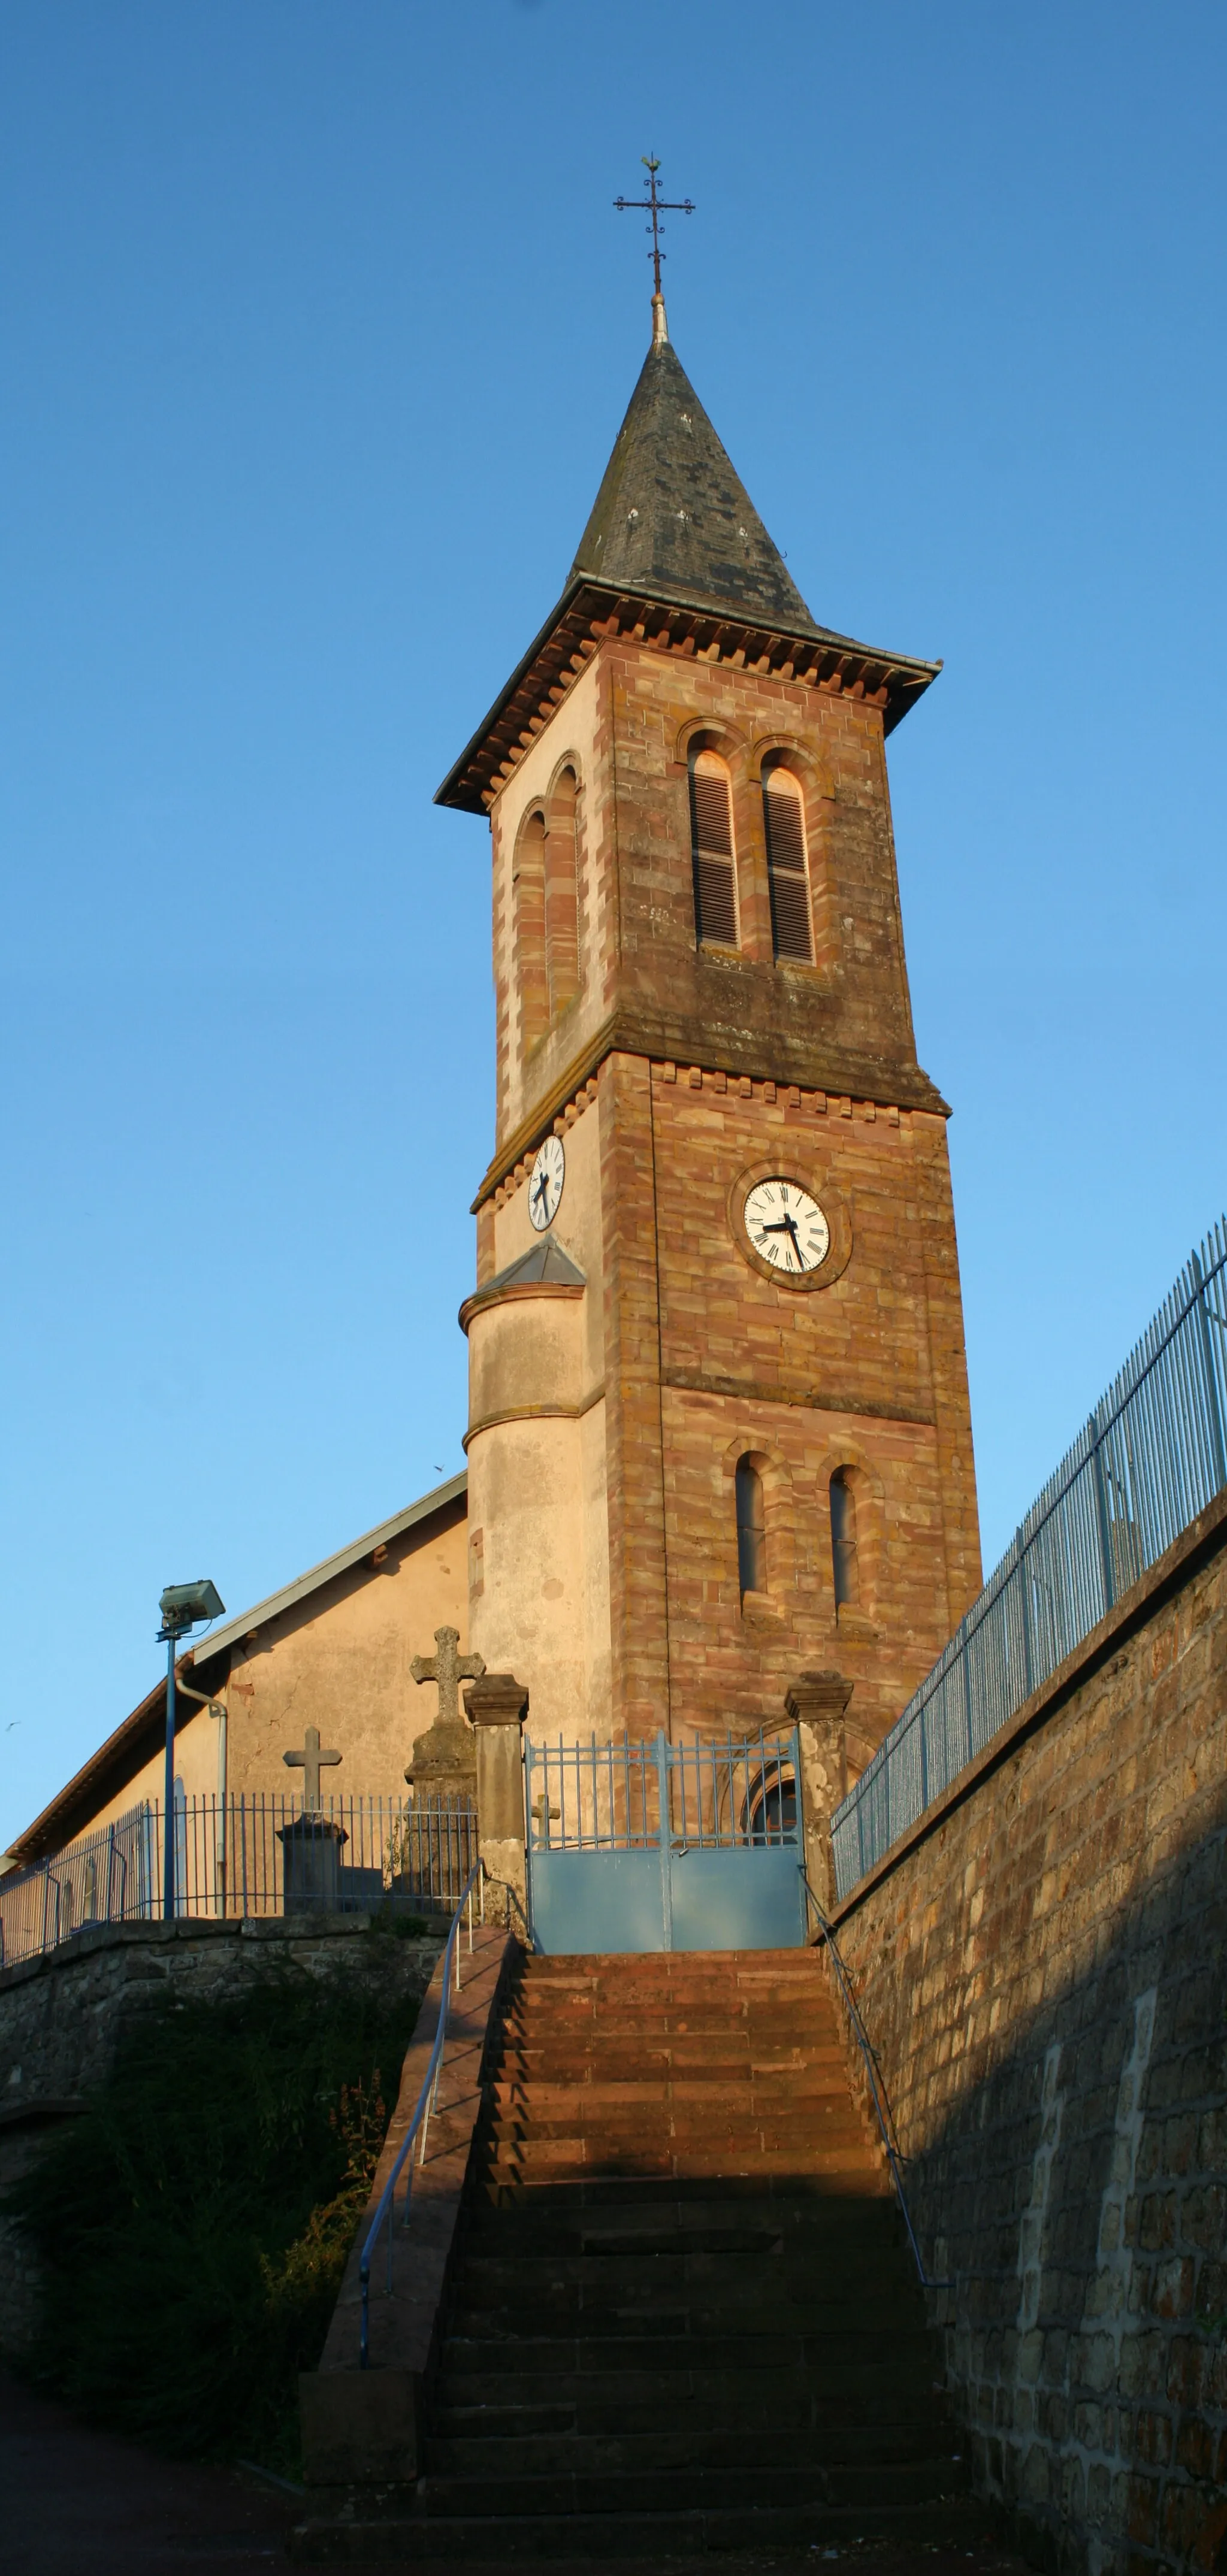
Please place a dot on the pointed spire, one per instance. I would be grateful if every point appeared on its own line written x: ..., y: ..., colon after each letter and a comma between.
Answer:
x: 673, y: 518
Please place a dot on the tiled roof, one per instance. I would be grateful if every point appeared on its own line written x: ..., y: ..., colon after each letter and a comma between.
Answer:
x: 674, y: 519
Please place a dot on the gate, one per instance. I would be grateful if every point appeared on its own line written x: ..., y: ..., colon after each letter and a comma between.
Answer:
x: 659, y: 1846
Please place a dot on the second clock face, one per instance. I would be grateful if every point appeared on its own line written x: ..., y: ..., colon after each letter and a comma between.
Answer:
x: 545, y: 1185
x: 786, y: 1227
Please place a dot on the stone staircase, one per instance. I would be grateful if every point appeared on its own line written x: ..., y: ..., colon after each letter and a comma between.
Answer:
x: 683, y: 2315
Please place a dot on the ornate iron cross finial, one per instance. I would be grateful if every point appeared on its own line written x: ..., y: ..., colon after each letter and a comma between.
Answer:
x: 446, y: 1668
x: 654, y: 206
x: 309, y: 1762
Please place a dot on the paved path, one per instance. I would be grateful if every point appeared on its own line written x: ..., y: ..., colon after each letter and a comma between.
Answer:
x: 81, y: 2503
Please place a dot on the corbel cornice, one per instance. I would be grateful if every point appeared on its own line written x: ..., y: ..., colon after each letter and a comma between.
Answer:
x: 590, y: 613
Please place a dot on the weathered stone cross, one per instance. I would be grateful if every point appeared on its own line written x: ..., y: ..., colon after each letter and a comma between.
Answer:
x: 447, y: 1669
x: 309, y: 1762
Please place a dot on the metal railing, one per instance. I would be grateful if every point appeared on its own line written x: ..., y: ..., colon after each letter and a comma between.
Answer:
x: 419, y: 2125
x: 713, y: 1792
x: 245, y: 1856
x: 1151, y: 1457
x: 878, y: 2096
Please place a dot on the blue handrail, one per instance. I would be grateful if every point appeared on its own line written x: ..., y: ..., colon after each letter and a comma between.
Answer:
x: 426, y: 2102
x: 894, y: 2156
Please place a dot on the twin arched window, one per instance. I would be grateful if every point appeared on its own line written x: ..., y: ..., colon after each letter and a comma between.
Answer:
x: 715, y: 863
x: 752, y: 1532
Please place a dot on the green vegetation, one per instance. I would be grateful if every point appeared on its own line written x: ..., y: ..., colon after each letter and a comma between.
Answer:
x: 192, y: 2225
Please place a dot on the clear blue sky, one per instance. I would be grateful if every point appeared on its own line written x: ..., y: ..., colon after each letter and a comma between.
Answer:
x: 317, y: 329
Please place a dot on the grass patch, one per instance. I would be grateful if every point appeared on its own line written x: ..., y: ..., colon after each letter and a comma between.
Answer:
x: 192, y: 2225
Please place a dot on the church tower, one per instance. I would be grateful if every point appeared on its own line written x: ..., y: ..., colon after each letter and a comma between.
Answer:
x: 719, y: 1429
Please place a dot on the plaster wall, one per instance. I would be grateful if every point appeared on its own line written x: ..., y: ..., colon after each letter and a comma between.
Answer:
x: 538, y: 1512
x: 196, y: 1760
x: 340, y: 1661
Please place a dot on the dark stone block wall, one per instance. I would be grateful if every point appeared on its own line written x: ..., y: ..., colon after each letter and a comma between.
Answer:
x: 1042, y: 1971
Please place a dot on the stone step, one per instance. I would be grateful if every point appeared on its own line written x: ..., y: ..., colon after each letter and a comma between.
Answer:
x: 757, y: 2268
x: 631, y: 2489
x: 948, y: 2524
x: 724, y: 2402
x: 616, y: 2218
x: 709, y: 2017
x: 563, y: 2452
x: 615, y: 2085
x: 859, y: 2363
x: 499, y: 2187
x: 559, y: 2159
x: 688, y: 2316
x: 727, y: 2129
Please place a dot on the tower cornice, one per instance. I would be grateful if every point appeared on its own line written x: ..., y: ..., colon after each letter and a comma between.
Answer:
x: 836, y: 1071
x: 590, y: 613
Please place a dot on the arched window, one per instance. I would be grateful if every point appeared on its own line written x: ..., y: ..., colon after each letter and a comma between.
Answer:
x: 751, y: 1528
x: 843, y: 1537
x: 791, y: 927
x: 769, y: 1810
x: 711, y: 826
x: 529, y: 889
x: 561, y: 921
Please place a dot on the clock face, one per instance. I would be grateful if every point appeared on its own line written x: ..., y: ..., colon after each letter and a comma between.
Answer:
x: 545, y: 1185
x: 786, y: 1227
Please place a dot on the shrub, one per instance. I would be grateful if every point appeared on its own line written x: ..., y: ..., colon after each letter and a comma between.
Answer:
x: 193, y: 2224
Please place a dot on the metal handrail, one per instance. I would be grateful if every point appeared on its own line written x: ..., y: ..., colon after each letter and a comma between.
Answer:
x: 894, y: 2156
x: 427, y: 2101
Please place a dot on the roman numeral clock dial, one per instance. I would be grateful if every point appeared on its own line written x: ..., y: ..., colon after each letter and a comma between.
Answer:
x: 545, y: 1183
x: 786, y: 1227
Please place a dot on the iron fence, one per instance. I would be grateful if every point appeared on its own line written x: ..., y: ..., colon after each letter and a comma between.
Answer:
x: 1151, y: 1456
x: 245, y: 1856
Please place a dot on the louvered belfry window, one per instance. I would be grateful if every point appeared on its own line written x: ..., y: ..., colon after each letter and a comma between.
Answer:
x: 711, y: 819
x: 790, y: 914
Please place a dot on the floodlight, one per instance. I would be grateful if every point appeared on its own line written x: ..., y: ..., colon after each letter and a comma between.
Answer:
x: 181, y: 1605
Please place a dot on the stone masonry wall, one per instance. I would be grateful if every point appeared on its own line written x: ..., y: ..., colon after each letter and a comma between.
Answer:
x: 1041, y: 1969
x: 62, y: 2019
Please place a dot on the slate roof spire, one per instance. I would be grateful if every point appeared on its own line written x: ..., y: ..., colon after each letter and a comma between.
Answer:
x: 672, y: 516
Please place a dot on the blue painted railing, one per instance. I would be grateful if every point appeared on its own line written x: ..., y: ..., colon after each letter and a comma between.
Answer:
x: 1151, y: 1457
x: 385, y: 2215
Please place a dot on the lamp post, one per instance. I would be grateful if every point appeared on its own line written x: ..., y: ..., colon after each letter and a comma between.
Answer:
x: 182, y: 1606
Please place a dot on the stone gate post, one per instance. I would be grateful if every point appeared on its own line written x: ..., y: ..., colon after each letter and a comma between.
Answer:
x: 817, y: 1705
x: 497, y: 1706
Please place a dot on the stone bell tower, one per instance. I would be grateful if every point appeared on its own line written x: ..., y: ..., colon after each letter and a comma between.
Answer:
x: 719, y: 1430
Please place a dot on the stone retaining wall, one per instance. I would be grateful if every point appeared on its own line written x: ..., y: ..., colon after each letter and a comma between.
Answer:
x: 62, y: 2018
x: 1041, y: 1968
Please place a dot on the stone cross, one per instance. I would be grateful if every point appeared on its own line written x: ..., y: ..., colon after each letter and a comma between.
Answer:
x: 309, y: 1762
x: 447, y: 1668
